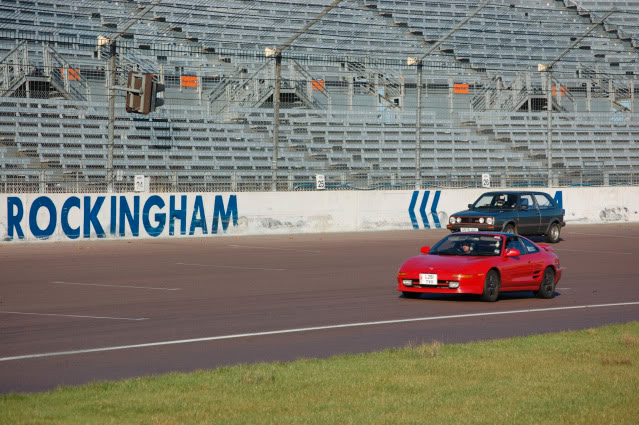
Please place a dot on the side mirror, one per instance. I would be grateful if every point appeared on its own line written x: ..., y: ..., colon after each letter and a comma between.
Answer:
x: 513, y: 253
x: 523, y: 207
x: 470, y: 206
x: 424, y: 249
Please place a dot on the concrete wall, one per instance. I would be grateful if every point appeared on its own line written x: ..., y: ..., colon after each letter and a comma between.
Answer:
x: 66, y: 217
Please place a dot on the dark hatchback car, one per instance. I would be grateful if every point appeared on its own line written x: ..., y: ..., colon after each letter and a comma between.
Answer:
x: 523, y: 212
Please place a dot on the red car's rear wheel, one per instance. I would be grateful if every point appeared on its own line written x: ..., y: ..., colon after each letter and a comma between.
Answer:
x: 547, y: 287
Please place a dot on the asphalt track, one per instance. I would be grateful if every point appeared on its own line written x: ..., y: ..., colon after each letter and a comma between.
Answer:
x: 76, y: 312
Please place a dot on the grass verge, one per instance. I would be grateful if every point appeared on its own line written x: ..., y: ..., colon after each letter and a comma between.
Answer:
x: 579, y: 377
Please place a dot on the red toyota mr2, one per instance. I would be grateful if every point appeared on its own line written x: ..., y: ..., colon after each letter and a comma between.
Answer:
x: 481, y: 263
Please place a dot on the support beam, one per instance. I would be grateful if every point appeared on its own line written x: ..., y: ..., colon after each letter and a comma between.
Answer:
x: 276, y: 122
x: 418, y: 129
x: 112, y: 76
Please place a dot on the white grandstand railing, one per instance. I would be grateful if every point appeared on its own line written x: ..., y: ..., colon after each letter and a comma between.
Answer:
x: 64, y: 76
x: 607, y: 86
x: 18, y: 66
x: 307, y: 84
x: 372, y: 79
x: 236, y: 92
x: 14, y: 67
x: 495, y: 96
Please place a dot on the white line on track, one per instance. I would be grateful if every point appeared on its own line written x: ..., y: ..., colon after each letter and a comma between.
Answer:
x: 315, y: 328
x: 76, y: 315
x: 606, y: 235
x: 595, y: 252
x: 229, y: 267
x: 116, y: 286
x: 273, y: 248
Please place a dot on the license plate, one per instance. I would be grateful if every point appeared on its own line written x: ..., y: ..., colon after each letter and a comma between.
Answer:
x: 428, y: 279
x: 468, y: 229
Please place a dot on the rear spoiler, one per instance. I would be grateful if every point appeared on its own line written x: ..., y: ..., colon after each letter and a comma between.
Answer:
x: 546, y: 247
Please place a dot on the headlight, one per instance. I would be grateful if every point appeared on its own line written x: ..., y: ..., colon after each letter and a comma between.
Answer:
x: 452, y: 220
x: 490, y: 220
x: 407, y: 282
x: 481, y: 220
x: 453, y: 284
x: 458, y: 219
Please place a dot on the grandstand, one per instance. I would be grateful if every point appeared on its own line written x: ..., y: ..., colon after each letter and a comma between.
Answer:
x: 348, y: 96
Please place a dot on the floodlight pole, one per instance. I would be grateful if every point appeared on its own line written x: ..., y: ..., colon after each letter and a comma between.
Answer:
x: 112, y: 50
x: 418, y: 129
x: 549, y: 119
x: 277, y: 53
x: 419, y: 63
x: 276, y: 121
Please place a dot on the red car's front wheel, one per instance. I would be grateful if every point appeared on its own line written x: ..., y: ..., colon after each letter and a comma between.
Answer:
x: 491, y: 287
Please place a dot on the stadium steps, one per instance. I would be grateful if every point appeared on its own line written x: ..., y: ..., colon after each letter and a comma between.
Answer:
x: 377, y: 82
x: 44, y: 71
x: 621, y: 25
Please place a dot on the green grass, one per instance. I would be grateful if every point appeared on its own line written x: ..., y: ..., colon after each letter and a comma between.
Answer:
x: 581, y: 377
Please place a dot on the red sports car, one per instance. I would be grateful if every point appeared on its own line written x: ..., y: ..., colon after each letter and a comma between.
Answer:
x: 481, y: 263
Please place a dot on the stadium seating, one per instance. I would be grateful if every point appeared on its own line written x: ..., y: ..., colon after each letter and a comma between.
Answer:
x: 348, y: 105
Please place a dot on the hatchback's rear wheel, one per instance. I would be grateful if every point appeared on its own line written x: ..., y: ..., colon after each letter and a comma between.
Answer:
x: 408, y: 294
x: 553, y: 233
x: 547, y: 287
x: 491, y: 287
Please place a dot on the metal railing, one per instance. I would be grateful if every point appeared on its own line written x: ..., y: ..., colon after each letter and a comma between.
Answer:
x: 43, y: 181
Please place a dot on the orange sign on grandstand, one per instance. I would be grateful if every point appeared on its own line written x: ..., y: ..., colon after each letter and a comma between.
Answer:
x: 74, y: 74
x: 562, y: 90
x: 461, y: 88
x: 189, y: 81
x: 318, y: 85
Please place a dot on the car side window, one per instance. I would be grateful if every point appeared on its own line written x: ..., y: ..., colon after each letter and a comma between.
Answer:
x: 526, y: 200
x: 544, y: 202
x: 530, y: 247
x: 515, y: 243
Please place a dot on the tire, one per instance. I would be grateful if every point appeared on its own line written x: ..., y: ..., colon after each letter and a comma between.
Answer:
x: 553, y: 233
x: 491, y: 287
x: 510, y: 228
x: 408, y: 294
x: 547, y: 286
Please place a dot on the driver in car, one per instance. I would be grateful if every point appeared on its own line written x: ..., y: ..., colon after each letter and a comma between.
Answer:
x: 465, y: 247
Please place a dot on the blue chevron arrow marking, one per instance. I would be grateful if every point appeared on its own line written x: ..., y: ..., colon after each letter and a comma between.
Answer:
x: 433, y: 209
x: 422, y: 209
x: 411, y: 210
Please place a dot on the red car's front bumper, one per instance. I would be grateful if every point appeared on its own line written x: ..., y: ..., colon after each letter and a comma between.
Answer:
x: 467, y: 285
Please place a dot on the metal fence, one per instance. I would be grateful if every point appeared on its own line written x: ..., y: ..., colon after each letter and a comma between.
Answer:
x: 39, y: 182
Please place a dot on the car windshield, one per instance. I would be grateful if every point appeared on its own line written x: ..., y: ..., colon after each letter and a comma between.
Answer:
x: 498, y: 201
x: 468, y: 245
